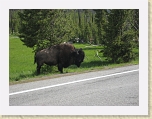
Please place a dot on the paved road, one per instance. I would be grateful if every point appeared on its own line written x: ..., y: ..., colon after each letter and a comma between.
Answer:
x: 112, y: 87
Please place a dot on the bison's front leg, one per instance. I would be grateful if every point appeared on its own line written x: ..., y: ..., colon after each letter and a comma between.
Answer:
x: 60, y: 68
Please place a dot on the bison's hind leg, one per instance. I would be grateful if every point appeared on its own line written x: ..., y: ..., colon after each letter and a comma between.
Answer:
x: 38, y: 68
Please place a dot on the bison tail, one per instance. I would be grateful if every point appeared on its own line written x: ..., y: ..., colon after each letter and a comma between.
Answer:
x: 34, y: 59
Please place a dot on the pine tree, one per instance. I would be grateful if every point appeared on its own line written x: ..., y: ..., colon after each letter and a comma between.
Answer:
x: 119, y: 37
x: 13, y: 21
x: 100, y: 19
x: 44, y: 28
x: 133, y: 22
x: 83, y: 24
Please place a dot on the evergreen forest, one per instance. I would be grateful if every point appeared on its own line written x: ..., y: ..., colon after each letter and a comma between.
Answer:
x: 117, y: 30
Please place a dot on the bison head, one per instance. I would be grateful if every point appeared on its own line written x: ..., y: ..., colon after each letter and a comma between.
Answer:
x: 79, y: 56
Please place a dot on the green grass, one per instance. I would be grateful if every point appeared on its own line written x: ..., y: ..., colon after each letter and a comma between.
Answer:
x: 22, y: 67
x: 20, y: 60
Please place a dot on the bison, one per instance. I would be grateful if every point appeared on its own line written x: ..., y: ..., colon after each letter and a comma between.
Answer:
x: 62, y: 55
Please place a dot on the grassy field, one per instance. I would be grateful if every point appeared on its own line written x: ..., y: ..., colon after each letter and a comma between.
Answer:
x: 22, y: 67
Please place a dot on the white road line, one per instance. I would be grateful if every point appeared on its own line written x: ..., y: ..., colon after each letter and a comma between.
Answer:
x: 62, y: 84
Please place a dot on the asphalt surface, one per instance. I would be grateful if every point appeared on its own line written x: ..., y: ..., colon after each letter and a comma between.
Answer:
x: 112, y: 87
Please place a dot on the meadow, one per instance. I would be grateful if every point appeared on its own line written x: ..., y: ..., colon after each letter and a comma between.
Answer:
x: 22, y: 67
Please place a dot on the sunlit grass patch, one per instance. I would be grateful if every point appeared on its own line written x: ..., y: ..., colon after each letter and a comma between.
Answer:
x: 21, y: 61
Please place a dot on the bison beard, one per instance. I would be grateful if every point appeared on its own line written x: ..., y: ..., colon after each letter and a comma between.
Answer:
x: 62, y: 55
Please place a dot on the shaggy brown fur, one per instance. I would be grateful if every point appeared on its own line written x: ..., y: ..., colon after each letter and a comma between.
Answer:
x: 62, y: 55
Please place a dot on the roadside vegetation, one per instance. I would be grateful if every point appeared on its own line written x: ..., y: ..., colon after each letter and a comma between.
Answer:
x: 22, y: 67
x: 109, y: 38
